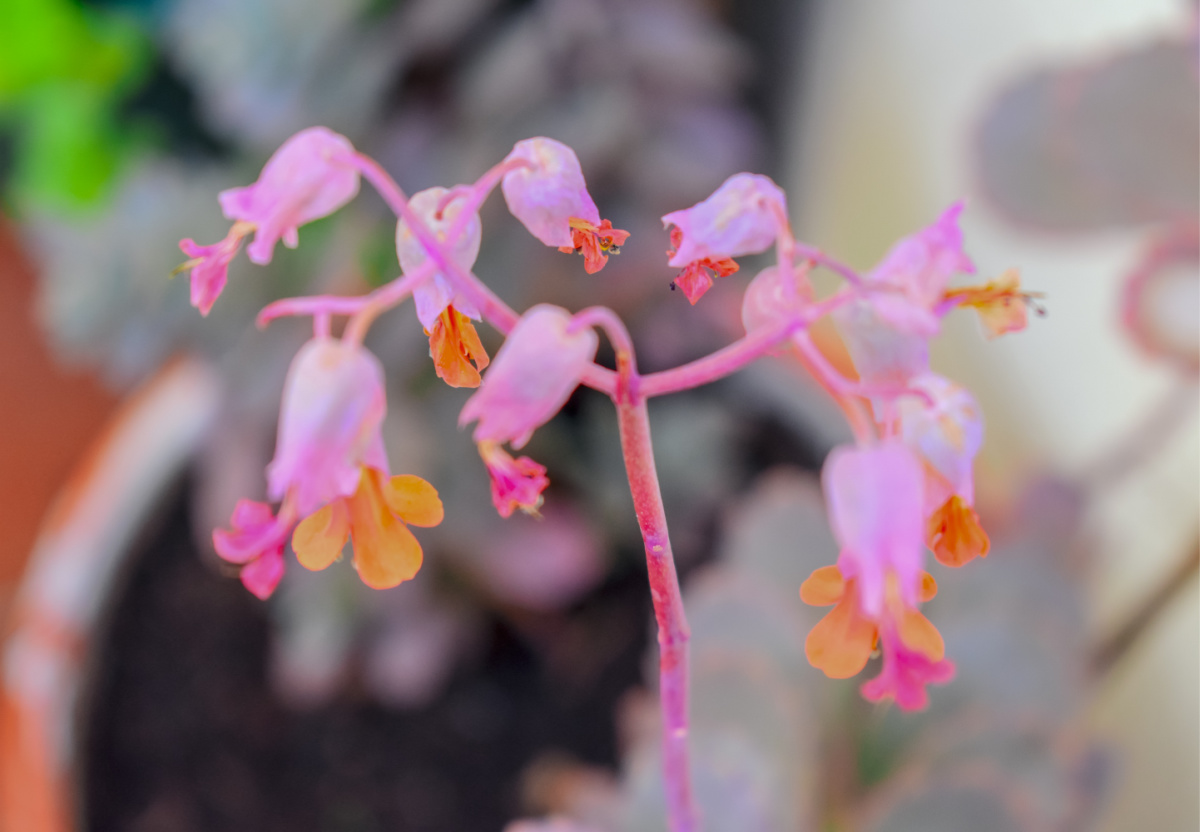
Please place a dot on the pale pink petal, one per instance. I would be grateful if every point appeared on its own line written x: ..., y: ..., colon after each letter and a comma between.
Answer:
x: 300, y: 183
x: 255, y: 530
x: 546, y: 195
x: 741, y: 217
x: 767, y: 301
x: 946, y: 434
x: 333, y: 406
x: 262, y: 575
x: 875, y: 498
x: 434, y: 295
x: 904, y: 676
x: 882, y: 354
x: 534, y: 373
x: 209, y: 275
x: 923, y: 263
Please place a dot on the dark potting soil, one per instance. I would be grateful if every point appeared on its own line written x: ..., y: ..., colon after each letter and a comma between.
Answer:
x: 183, y: 733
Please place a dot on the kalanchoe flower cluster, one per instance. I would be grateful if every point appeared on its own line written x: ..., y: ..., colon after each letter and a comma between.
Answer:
x: 906, y: 485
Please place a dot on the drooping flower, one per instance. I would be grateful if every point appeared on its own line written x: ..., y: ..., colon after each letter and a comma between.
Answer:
x: 550, y: 198
x: 444, y: 312
x: 303, y: 181
x: 876, y: 499
x: 329, y: 422
x: 945, y: 429
x: 535, y: 372
x: 516, y: 483
x: 331, y: 472
x: 745, y: 215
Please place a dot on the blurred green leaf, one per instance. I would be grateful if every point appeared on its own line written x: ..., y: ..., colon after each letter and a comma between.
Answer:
x: 63, y: 72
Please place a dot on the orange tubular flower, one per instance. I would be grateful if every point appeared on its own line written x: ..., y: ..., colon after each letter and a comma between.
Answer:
x: 385, y: 552
x: 454, y: 345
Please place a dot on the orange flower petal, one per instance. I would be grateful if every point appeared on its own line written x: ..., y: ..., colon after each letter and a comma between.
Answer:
x: 454, y: 345
x: 825, y: 586
x: 842, y: 641
x: 918, y: 633
x: 413, y: 500
x: 955, y: 535
x: 321, y: 536
x: 385, y: 551
x: 927, y: 591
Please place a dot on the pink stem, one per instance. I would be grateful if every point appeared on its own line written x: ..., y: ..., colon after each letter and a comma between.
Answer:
x: 819, y: 257
x: 315, y: 305
x: 673, y: 633
x: 719, y: 364
x: 494, y: 310
x: 831, y: 379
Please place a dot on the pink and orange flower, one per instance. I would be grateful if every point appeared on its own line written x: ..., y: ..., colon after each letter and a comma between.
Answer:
x: 330, y: 473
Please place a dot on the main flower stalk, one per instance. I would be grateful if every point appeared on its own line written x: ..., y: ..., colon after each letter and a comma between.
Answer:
x: 673, y: 633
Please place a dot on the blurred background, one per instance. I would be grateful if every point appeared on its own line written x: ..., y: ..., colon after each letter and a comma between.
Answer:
x: 145, y: 689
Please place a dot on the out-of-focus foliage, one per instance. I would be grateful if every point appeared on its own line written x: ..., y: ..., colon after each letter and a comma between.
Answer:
x: 64, y: 71
x: 1098, y: 145
x: 1106, y: 144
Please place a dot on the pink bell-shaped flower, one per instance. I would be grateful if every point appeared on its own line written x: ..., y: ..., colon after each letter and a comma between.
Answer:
x: 333, y: 406
x: 303, y: 181
x: 547, y: 194
x: 743, y: 216
x: 534, y: 373
x: 945, y: 430
x: 435, y: 294
x: 875, y: 497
